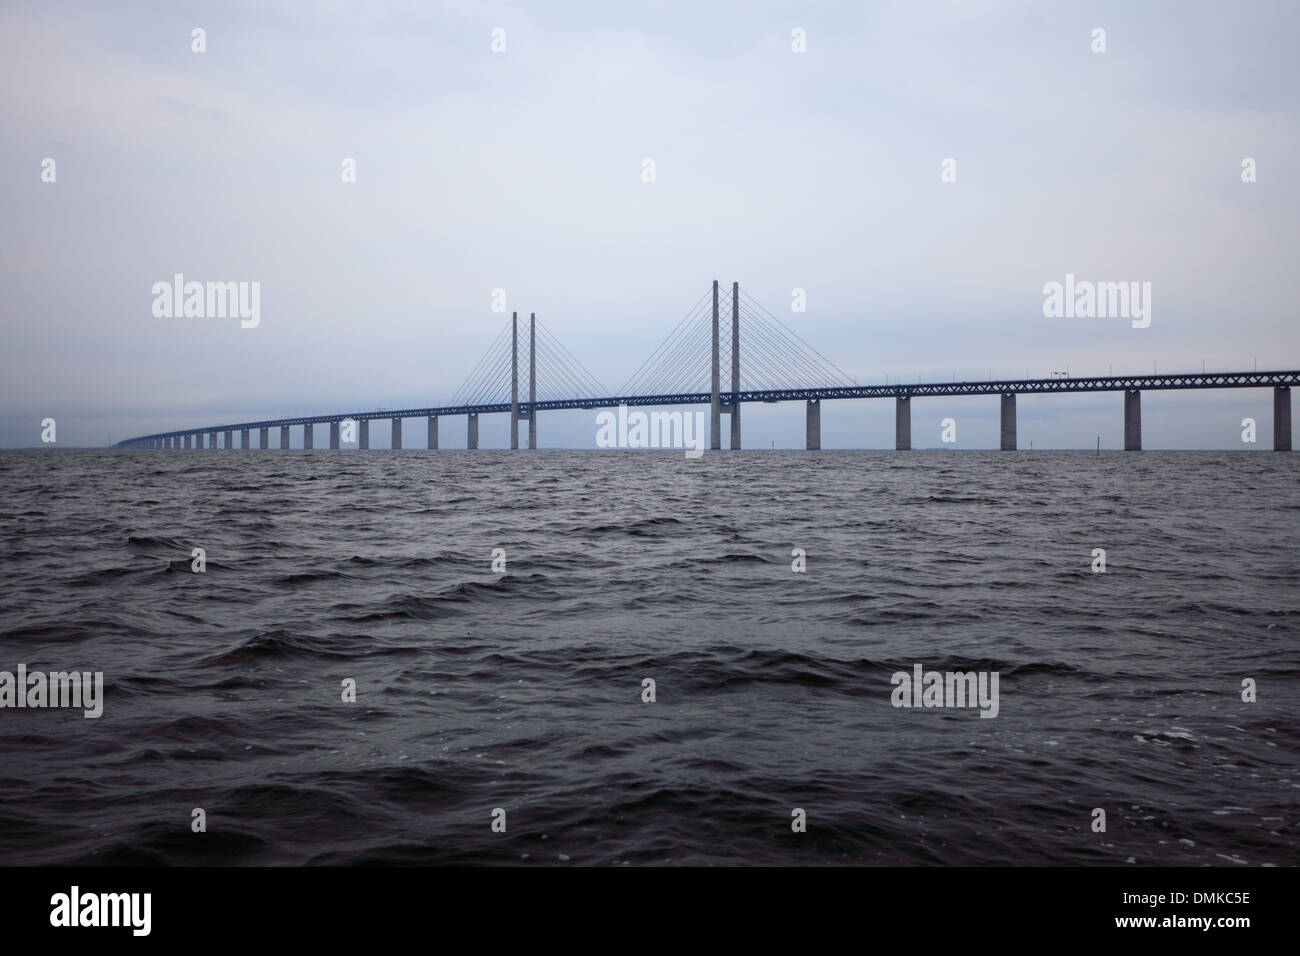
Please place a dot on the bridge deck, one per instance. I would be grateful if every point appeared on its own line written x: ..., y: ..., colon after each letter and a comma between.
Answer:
x: 1107, y: 383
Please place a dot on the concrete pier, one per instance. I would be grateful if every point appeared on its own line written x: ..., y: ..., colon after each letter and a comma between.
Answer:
x: 243, y: 439
x: 902, y: 422
x: 264, y: 438
x: 229, y: 440
x: 532, y: 381
x: 212, y: 441
x: 813, y: 431
x: 187, y: 442
x: 1282, y: 418
x: 363, y: 434
x: 433, y: 432
x: 1132, y: 419
x: 396, y: 441
x: 1009, y: 422
x: 715, y: 383
x: 735, y: 364
x: 471, y: 436
x: 308, y: 436
x: 334, y: 436
x: 284, y: 437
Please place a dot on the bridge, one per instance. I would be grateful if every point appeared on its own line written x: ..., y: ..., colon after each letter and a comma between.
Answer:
x: 687, y: 369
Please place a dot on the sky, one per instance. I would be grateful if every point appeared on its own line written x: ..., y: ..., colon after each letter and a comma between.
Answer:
x: 523, y: 170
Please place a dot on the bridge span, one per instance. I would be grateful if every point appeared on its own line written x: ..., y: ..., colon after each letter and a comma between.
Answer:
x: 773, y: 351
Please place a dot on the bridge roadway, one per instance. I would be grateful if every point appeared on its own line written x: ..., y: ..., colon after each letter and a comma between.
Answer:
x: 903, y: 393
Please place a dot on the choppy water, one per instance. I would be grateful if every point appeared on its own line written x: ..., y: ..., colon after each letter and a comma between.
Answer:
x: 522, y: 690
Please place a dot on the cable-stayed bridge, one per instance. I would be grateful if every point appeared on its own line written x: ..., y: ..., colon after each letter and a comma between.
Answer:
x: 726, y: 337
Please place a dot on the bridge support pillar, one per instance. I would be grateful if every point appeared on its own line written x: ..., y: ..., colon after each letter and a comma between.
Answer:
x: 363, y: 434
x: 243, y: 439
x: 212, y: 441
x: 229, y: 440
x: 433, y: 432
x: 264, y: 438
x: 813, y: 431
x: 1009, y: 422
x: 187, y: 442
x: 1282, y: 418
x: 396, y: 442
x: 1132, y: 419
x: 284, y: 437
x: 334, y: 436
x: 308, y: 436
x: 902, y: 422
x: 471, y: 436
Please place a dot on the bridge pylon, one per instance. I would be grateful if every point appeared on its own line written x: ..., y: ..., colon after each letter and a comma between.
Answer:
x: 516, y: 416
x: 717, y: 407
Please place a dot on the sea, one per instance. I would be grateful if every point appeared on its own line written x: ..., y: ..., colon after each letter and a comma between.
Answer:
x: 631, y: 658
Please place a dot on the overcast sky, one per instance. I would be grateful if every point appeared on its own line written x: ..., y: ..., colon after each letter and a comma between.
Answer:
x: 523, y: 170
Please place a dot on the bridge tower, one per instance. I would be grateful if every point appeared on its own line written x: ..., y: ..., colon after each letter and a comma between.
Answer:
x: 530, y: 416
x: 514, y: 382
x: 733, y: 407
x: 532, y: 381
x: 717, y: 407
